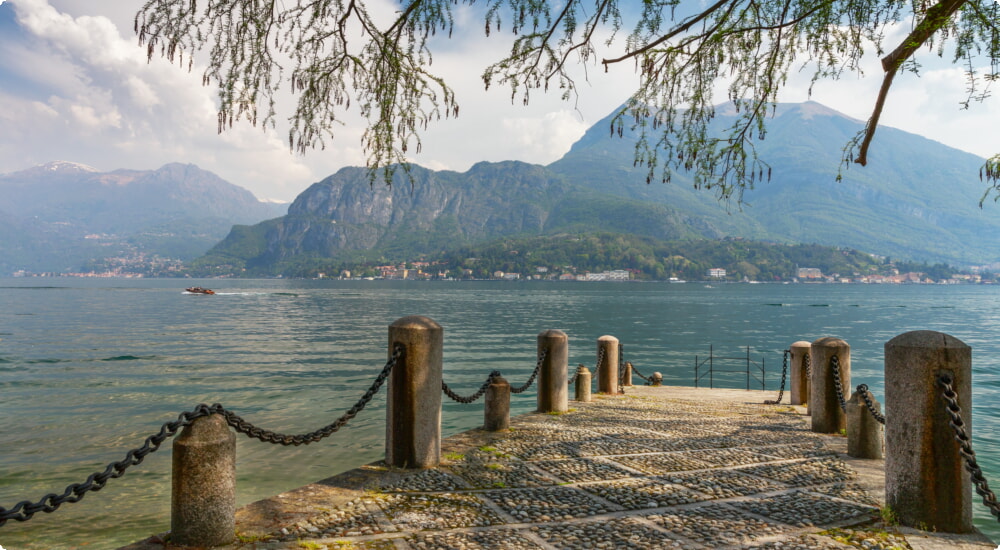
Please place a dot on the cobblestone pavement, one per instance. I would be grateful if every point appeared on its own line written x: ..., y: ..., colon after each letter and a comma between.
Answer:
x: 645, y: 470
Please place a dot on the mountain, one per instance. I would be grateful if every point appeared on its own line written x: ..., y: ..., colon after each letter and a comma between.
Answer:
x: 59, y: 215
x: 345, y: 216
x: 917, y: 199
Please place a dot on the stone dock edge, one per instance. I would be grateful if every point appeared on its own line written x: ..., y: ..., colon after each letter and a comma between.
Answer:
x: 258, y: 521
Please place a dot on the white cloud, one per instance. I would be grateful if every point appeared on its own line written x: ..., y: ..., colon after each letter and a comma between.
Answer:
x: 84, y: 91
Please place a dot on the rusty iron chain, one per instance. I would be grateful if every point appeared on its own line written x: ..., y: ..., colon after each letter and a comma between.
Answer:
x: 572, y: 379
x: 835, y: 367
x: 784, y: 375
x: 472, y: 398
x: 621, y: 369
x: 534, y: 374
x: 639, y: 374
x: 600, y: 362
x: 965, y: 445
x: 866, y: 395
x: 267, y: 436
x: 807, y: 361
x: 24, y: 510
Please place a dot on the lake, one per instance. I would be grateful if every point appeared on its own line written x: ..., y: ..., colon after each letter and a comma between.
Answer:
x: 90, y: 367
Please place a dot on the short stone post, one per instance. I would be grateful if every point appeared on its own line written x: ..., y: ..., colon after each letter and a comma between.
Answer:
x: 553, y: 387
x: 627, y: 379
x: 926, y: 483
x: 864, y: 433
x: 203, y: 495
x: 413, y: 398
x: 799, y: 389
x: 607, y: 374
x: 656, y: 379
x: 583, y: 381
x: 827, y: 416
x: 497, y: 405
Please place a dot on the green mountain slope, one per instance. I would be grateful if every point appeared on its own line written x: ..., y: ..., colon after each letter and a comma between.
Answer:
x: 916, y: 200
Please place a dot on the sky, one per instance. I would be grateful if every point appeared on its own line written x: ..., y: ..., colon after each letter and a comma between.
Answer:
x: 76, y: 86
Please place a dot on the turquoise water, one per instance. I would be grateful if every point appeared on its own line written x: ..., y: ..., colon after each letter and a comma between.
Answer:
x: 89, y: 368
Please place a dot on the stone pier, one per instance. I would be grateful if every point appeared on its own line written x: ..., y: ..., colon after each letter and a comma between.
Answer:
x: 664, y: 467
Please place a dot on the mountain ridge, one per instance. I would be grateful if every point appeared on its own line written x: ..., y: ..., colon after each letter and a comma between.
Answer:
x: 60, y: 215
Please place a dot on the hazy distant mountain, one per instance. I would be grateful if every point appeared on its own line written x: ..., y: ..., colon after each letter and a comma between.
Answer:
x: 917, y: 199
x: 58, y: 215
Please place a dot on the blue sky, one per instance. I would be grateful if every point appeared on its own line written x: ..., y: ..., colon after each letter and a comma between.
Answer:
x: 75, y: 86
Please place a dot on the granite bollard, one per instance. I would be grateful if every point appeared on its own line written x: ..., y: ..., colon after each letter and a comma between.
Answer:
x: 799, y: 389
x: 824, y: 404
x: 413, y: 395
x: 203, y: 495
x: 656, y: 379
x: 864, y: 433
x: 627, y: 378
x: 553, y: 386
x: 496, y: 408
x: 607, y: 370
x: 583, y: 382
x: 926, y: 483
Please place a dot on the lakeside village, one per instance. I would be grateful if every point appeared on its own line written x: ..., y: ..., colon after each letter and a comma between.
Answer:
x: 423, y: 270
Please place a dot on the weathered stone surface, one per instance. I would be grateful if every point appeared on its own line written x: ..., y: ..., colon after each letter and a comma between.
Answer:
x: 607, y: 374
x: 799, y: 388
x: 413, y: 402
x: 203, y: 495
x: 925, y: 479
x: 864, y: 433
x: 583, y: 383
x: 496, y: 408
x: 553, y: 386
x: 824, y: 405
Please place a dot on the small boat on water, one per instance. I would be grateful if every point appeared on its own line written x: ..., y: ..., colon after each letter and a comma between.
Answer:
x: 199, y: 290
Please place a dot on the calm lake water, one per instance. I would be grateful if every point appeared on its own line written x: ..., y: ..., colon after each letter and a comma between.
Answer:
x: 89, y: 368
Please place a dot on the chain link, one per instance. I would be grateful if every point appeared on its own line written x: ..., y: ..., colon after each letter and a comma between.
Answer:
x: 639, y: 374
x: 24, y: 510
x: 835, y: 367
x: 621, y: 370
x: 807, y: 361
x: 472, y: 398
x: 600, y: 362
x: 572, y: 379
x: 253, y: 432
x: 866, y: 395
x: 531, y: 379
x: 784, y: 375
x: 965, y: 445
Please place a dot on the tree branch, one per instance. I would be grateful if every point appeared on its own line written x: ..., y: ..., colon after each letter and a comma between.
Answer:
x: 937, y: 16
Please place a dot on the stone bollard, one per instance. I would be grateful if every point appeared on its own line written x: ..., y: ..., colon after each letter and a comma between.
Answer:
x: 627, y: 379
x: 203, y: 484
x: 799, y: 389
x: 583, y: 384
x: 497, y: 405
x: 827, y: 416
x: 656, y: 379
x: 553, y: 387
x: 607, y: 371
x: 864, y: 433
x: 926, y: 483
x: 413, y: 395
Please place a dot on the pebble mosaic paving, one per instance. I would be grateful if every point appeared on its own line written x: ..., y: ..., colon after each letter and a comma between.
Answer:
x: 648, y: 473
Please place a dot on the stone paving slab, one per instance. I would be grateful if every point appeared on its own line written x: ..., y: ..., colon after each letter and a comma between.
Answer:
x: 671, y: 468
